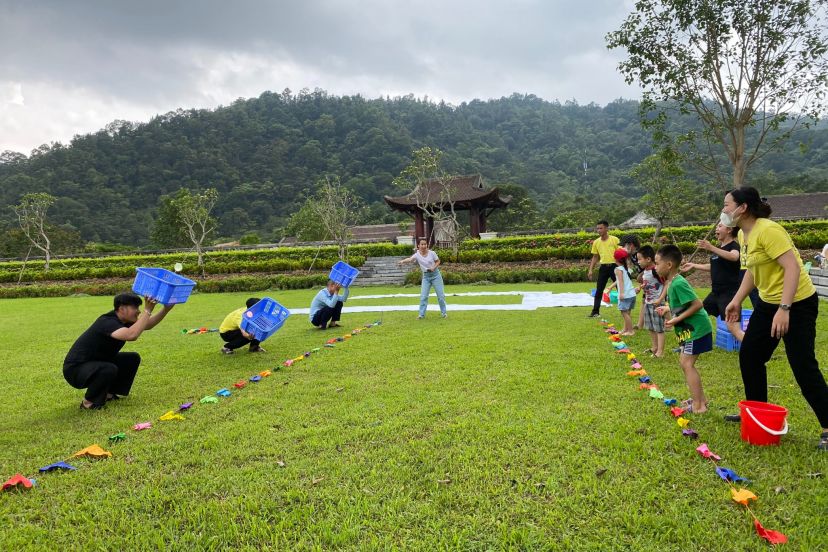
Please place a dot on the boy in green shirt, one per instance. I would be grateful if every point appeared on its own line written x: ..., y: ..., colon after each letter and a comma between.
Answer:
x: 690, y: 322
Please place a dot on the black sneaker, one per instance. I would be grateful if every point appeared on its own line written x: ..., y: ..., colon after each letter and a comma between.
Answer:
x: 227, y: 351
x: 733, y: 418
x: 593, y: 315
x: 93, y: 407
x: 823, y: 442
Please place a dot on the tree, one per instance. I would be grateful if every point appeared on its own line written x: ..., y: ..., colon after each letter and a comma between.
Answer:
x: 521, y: 214
x: 168, y: 231
x: 304, y: 225
x: 336, y: 209
x: 193, y: 210
x: 753, y: 71
x: 432, y: 190
x: 669, y: 195
x: 31, y: 215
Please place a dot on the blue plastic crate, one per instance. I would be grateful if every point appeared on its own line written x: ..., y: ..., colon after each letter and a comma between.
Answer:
x: 264, y: 318
x: 163, y: 286
x: 343, y: 274
x: 722, y: 325
x: 726, y: 341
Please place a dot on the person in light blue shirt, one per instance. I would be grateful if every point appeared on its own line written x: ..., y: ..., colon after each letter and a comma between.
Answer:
x: 326, y: 307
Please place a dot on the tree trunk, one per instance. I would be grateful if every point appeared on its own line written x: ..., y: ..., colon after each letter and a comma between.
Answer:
x: 48, y: 251
x: 659, y: 226
x: 738, y: 158
x: 200, y: 254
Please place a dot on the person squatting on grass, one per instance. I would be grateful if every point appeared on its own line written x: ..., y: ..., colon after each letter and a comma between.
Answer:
x: 690, y: 322
x: 234, y: 337
x: 95, y: 362
x: 724, y: 268
x: 326, y: 307
x: 626, y: 291
x: 654, y: 293
x: 602, y: 250
x: 429, y: 264
x: 787, y: 308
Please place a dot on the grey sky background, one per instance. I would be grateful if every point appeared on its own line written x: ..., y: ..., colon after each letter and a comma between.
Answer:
x: 70, y: 67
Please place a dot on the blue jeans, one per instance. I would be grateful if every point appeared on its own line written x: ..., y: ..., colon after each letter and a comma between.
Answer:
x: 434, y: 279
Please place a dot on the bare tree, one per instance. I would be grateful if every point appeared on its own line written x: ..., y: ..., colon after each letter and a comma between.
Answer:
x: 432, y: 190
x: 337, y: 209
x: 752, y: 71
x: 31, y: 214
x: 194, y: 212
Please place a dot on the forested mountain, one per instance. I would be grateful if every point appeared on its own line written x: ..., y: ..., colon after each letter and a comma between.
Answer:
x: 265, y: 154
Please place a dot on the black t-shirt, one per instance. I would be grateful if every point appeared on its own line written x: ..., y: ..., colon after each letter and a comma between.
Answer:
x: 96, y: 343
x: 724, y: 274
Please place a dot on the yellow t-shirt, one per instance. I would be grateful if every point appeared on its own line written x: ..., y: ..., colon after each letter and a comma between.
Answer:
x: 605, y: 249
x: 232, y: 321
x: 765, y: 243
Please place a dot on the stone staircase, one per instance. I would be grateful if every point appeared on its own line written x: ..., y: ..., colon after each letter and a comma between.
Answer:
x: 383, y: 271
x: 820, y: 279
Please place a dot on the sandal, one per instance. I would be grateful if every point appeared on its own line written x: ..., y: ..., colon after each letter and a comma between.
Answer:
x: 823, y: 442
x: 112, y: 397
x: 645, y: 351
x: 93, y: 407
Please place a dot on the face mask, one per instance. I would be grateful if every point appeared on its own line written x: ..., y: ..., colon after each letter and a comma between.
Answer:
x: 728, y: 219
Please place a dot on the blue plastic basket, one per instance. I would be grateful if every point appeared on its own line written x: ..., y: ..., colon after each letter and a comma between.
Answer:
x: 726, y: 341
x: 722, y: 325
x: 163, y: 286
x: 343, y: 274
x: 264, y: 318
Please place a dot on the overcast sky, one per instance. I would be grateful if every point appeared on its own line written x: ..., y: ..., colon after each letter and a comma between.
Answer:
x: 69, y: 67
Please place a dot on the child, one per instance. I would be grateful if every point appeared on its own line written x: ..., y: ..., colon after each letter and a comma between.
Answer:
x: 626, y: 291
x: 690, y: 322
x: 235, y: 337
x: 654, y: 292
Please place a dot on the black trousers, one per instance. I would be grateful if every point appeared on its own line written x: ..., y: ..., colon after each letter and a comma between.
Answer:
x: 606, y: 272
x: 234, y: 339
x: 754, y: 293
x: 100, y: 377
x: 325, y: 314
x: 758, y: 346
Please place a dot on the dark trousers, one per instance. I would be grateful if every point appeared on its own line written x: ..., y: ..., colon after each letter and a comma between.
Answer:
x: 326, y: 314
x: 606, y: 272
x: 100, y: 377
x: 235, y: 340
x: 758, y: 346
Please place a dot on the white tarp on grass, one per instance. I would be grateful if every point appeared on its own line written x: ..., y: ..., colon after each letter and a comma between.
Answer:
x: 532, y: 300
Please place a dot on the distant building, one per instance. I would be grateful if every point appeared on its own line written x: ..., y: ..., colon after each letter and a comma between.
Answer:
x: 799, y: 206
x: 638, y: 220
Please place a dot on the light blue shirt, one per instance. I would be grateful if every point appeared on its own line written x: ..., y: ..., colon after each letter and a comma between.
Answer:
x: 624, y: 282
x: 325, y: 299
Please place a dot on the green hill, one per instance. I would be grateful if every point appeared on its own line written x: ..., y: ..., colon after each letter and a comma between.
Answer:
x: 265, y: 154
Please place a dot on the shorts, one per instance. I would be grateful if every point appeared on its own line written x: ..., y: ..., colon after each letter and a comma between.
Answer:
x: 652, y: 320
x: 716, y: 303
x: 626, y: 304
x: 704, y: 344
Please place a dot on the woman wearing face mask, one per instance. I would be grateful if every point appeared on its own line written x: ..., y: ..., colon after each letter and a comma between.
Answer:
x: 787, y: 308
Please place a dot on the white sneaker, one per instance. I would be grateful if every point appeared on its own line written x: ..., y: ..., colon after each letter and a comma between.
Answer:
x: 444, y: 315
x: 420, y: 317
x: 227, y: 351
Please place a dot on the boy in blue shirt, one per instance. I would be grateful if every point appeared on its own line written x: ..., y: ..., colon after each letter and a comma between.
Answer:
x: 326, y: 307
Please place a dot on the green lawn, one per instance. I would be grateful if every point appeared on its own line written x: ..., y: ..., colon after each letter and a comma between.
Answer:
x: 483, y: 431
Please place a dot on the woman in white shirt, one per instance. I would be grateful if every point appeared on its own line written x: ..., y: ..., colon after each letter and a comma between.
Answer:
x: 429, y: 263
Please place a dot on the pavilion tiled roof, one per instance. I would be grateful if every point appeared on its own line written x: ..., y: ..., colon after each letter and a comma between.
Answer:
x: 464, y: 191
x: 799, y: 206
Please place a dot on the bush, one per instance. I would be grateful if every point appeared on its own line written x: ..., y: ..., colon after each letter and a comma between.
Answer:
x: 508, y: 276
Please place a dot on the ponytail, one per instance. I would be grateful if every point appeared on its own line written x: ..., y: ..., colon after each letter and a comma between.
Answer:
x: 757, y: 206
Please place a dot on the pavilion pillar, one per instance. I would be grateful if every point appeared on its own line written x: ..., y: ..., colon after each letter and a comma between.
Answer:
x: 429, y: 230
x: 482, y: 220
x: 419, y: 227
x: 474, y: 219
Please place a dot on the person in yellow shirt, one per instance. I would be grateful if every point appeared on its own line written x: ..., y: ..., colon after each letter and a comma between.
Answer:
x: 787, y: 308
x: 602, y: 251
x: 232, y: 334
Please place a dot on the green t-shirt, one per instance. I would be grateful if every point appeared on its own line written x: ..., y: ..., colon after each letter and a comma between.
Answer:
x: 680, y: 296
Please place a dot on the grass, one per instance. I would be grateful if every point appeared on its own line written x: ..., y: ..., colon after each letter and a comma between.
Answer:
x: 482, y: 431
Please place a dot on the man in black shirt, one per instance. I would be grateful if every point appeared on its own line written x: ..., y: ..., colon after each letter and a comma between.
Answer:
x: 95, y: 362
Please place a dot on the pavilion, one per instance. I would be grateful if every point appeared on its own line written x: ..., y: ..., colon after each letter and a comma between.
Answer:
x: 467, y: 193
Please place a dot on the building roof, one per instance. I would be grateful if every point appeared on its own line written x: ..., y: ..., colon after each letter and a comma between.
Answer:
x: 799, y: 206
x: 464, y: 191
x: 380, y: 231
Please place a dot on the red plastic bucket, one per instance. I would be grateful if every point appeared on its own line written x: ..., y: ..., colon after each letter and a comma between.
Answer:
x: 763, y: 423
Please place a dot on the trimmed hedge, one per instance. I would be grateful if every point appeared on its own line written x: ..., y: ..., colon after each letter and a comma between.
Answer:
x: 507, y: 276
x: 243, y: 283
